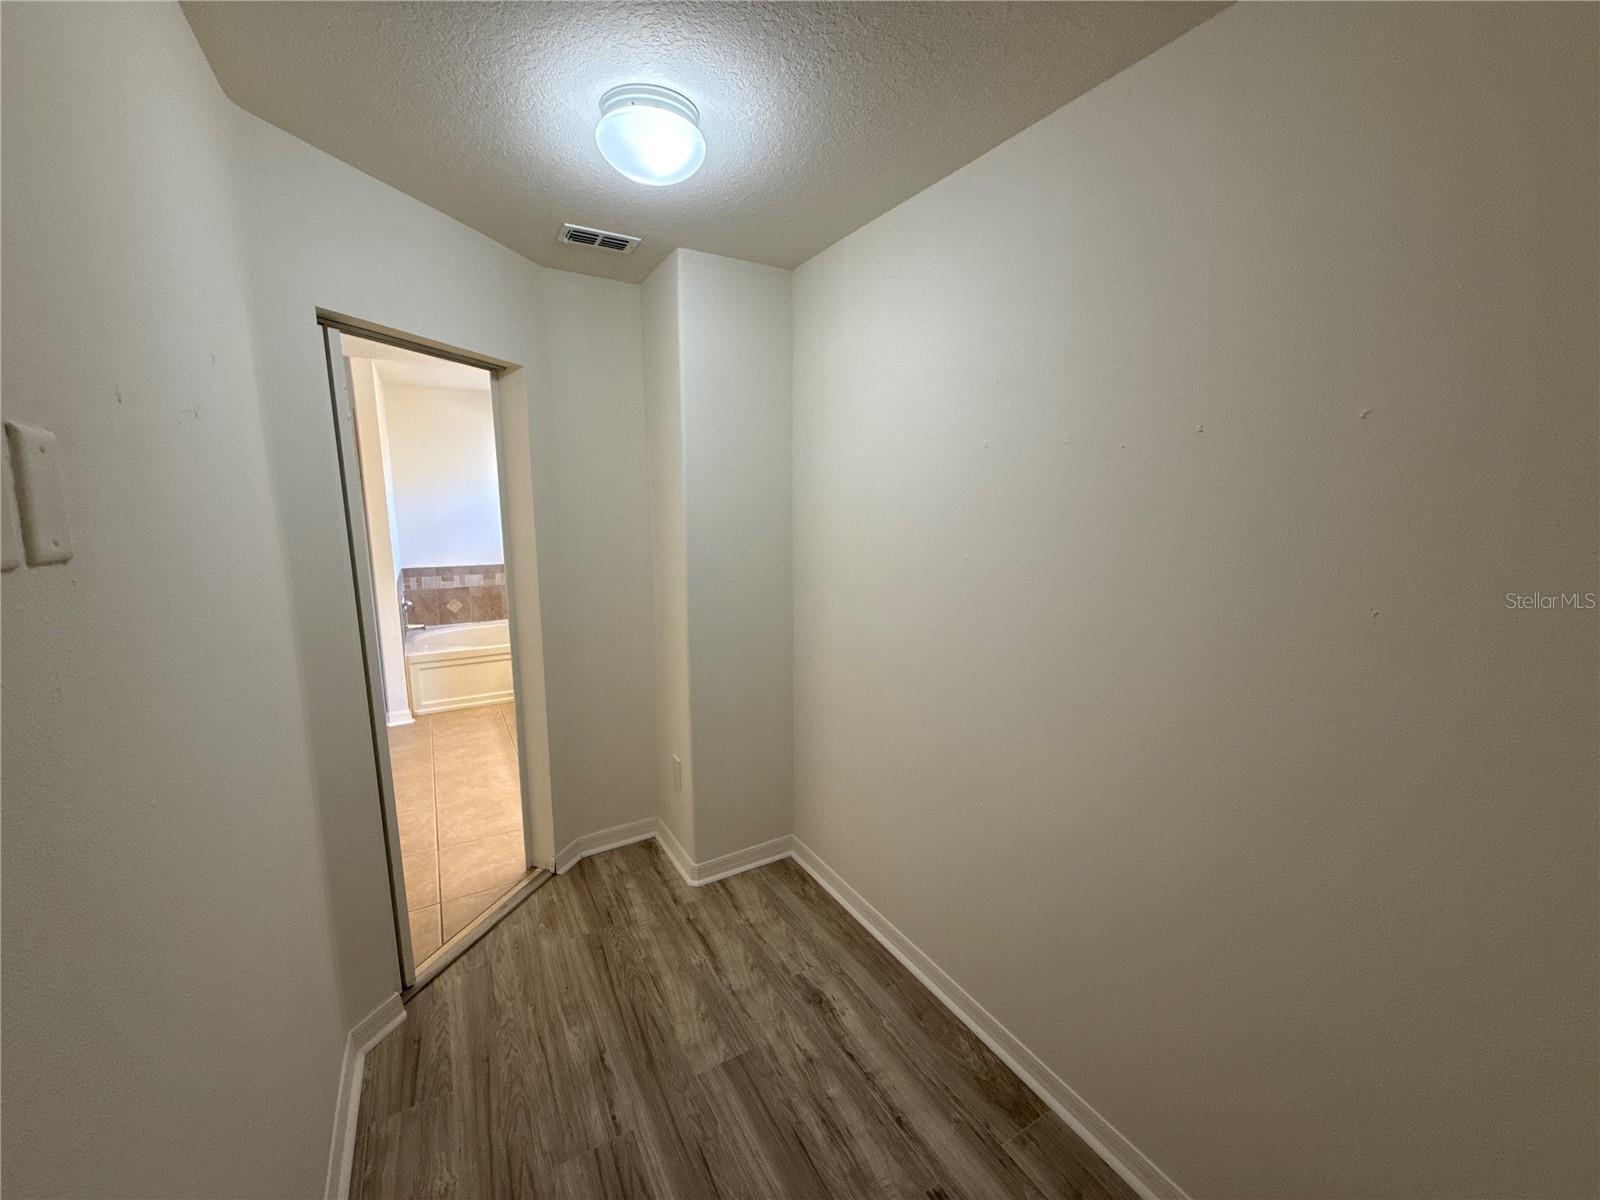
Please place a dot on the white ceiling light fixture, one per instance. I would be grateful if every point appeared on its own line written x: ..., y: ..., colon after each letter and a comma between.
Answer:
x: 650, y: 134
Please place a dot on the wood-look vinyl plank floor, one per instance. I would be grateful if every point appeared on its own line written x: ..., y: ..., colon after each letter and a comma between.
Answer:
x: 622, y: 1034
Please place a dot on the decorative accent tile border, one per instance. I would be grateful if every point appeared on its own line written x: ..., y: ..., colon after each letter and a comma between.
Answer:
x: 454, y: 595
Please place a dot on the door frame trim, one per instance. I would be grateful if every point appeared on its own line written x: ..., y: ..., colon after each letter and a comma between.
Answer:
x: 355, y: 523
x: 347, y: 453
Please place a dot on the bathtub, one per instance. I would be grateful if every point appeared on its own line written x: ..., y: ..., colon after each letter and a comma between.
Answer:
x: 458, y: 666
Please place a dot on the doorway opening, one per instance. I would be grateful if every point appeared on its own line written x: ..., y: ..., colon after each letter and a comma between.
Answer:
x: 423, y: 497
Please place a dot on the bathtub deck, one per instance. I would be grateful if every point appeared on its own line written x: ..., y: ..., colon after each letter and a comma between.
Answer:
x: 460, y: 813
x: 449, y: 667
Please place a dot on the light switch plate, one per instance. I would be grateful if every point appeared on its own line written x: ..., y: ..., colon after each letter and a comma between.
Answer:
x: 10, y: 535
x: 40, y: 496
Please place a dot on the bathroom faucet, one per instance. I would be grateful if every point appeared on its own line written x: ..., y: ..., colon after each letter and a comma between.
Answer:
x: 405, y: 615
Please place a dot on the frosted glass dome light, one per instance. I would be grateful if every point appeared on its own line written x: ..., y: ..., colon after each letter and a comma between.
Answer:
x: 650, y: 134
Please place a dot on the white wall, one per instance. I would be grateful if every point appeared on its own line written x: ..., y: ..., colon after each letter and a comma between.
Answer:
x: 591, y: 494
x: 446, y: 483
x: 172, y: 1002
x: 1213, y: 763
x: 734, y: 331
x: 717, y: 352
x: 163, y: 247
x: 663, y: 391
x: 377, y: 492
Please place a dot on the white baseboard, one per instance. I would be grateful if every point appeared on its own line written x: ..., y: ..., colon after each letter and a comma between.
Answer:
x: 603, y: 839
x: 403, y: 717
x: 697, y: 874
x: 475, y: 700
x: 371, y: 1030
x: 1149, y: 1180
x: 676, y: 854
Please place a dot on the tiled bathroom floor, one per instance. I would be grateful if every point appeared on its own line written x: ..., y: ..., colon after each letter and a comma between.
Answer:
x: 460, y: 816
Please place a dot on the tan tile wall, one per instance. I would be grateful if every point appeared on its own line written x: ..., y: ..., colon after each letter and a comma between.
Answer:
x: 454, y: 595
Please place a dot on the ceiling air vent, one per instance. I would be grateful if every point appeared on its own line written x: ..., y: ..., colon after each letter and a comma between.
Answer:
x: 582, y: 235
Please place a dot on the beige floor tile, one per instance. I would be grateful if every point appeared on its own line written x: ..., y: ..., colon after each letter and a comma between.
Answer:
x: 421, y: 873
x: 448, y: 725
x: 413, y: 789
x: 411, y: 762
x: 475, y: 776
x: 489, y: 766
x: 458, y: 913
x: 409, y: 739
x: 418, y: 759
x: 508, y: 714
x: 482, y: 865
x: 425, y: 935
x: 459, y: 803
x: 472, y: 745
x: 476, y: 801
x: 486, y: 764
x: 417, y: 829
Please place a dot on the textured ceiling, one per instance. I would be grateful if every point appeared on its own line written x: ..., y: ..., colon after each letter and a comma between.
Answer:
x: 818, y: 117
